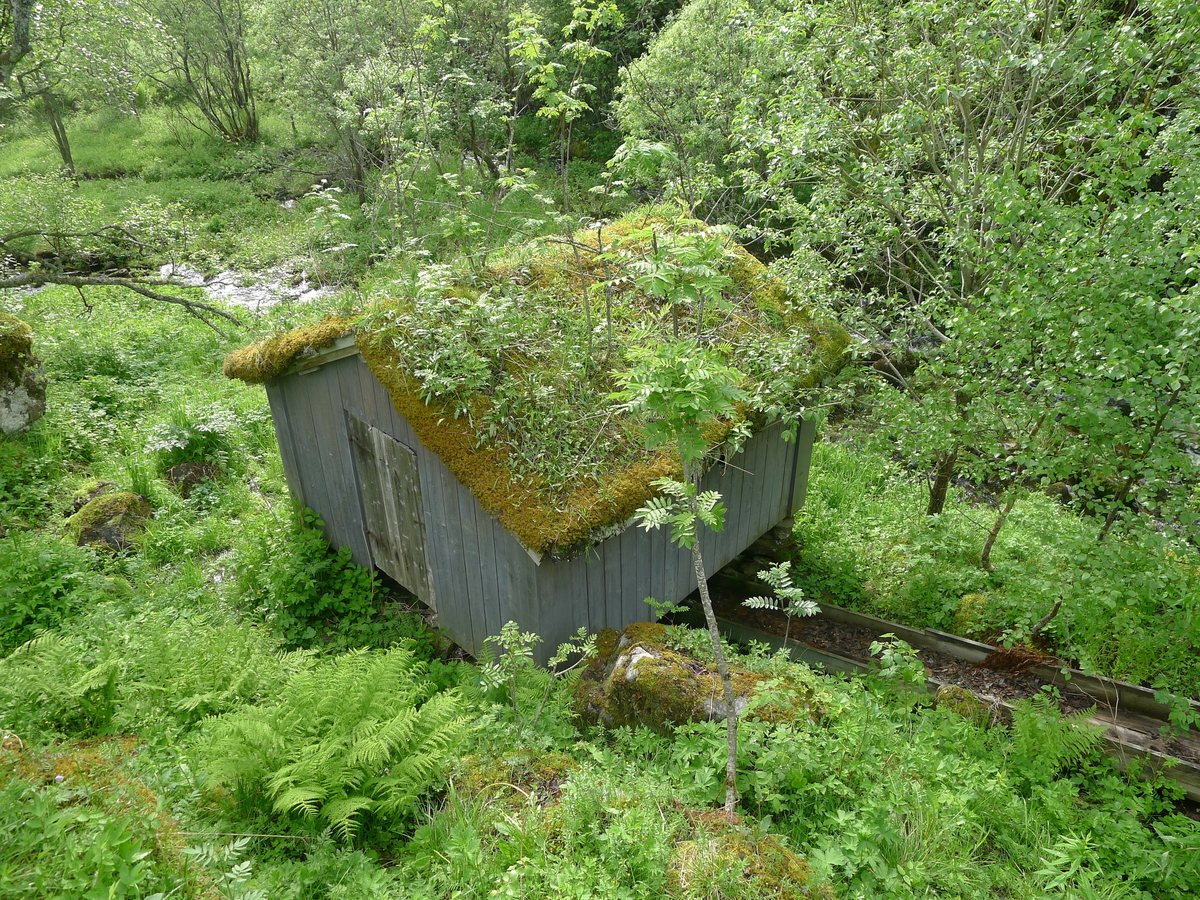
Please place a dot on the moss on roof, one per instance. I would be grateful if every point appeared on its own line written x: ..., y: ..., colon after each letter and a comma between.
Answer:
x: 266, y: 360
x: 506, y: 374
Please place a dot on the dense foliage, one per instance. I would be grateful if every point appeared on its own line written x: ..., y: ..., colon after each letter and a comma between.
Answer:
x: 568, y: 224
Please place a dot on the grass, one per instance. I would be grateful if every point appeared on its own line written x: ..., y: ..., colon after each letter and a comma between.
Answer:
x: 1130, y: 608
x: 879, y: 798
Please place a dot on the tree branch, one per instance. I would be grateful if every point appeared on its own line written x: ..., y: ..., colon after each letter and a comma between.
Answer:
x: 142, y: 286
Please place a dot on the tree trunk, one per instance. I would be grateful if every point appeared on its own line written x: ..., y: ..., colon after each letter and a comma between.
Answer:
x: 54, y: 106
x: 985, y: 558
x: 1131, y: 478
x: 943, y: 472
x: 722, y: 670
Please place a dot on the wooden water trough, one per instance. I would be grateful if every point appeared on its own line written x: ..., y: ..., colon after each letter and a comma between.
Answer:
x: 351, y: 456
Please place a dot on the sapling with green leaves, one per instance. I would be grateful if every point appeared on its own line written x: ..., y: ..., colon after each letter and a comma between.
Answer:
x: 788, y: 598
x: 514, y: 661
x: 682, y: 387
x: 684, y: 269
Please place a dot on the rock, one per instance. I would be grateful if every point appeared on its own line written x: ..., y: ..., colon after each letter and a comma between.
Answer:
x: 111, y: 520
x: 731, y: 858
x: 959, y: 700
x: 638, y: 678
x: 186, y: 475
x: 515, y: 778
x: 88, y: 493
x: 22, y: 381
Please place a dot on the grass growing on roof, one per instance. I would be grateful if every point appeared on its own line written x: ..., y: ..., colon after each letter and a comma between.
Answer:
x: 507, y: 374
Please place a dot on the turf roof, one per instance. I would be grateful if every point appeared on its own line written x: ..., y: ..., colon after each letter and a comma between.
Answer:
x: 507, y: 374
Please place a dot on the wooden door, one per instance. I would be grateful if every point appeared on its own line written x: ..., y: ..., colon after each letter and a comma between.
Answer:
x: 393, y: 513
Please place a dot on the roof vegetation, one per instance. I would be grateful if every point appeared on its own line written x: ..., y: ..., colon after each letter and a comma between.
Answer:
x: 507, y: 374
x: 266, y: 360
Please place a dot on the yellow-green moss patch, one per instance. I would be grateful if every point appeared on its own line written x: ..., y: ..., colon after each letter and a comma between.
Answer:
x: 515, y: 779
x: 16, y: 345
x: 735, y: 860
x: 110, y: 520
x: 268, y: 359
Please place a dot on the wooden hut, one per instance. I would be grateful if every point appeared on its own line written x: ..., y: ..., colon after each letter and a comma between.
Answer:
x: 361, y: 449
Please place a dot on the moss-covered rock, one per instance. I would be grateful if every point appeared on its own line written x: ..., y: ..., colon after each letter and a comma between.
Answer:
x: 636, y: 677
x: 111, y: 520
x: 729, y: 860
x: 185, y: 476
x: 515, y: 779
x: 962, y: 702
x: 22, y: 381
x: 266, y: 360
x: 89, y: 492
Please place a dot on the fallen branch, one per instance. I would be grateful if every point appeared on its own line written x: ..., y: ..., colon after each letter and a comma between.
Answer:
x: 142, y: 286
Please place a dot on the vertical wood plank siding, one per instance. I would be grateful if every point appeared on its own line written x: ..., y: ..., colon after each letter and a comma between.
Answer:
x: 481, y: 576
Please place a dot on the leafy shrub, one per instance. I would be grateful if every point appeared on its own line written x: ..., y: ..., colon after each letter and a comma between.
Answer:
x: 43, y: 580
x: 314, y: 595
x: 363, y: 734
x: 198, y: 436
x: 26, y: 480
x: 83, y: 833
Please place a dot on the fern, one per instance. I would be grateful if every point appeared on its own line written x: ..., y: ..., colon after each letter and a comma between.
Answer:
x: 362, y: 734
x: 59, y: 682
x: 1044, y: 742
x: 788, y: 598
x: 189, y: 668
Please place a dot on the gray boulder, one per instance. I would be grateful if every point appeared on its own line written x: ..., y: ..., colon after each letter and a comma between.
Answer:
x: 22, y: 381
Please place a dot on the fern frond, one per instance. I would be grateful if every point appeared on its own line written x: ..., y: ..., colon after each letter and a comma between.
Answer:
x: 360, y: 733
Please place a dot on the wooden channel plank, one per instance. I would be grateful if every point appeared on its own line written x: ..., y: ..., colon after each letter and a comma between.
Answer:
x: 517, y: 574
x: 454, y: 548
x: 731, y: 484
x: 594, y: 568
x: 777, y: 472
x: 806, y: 438
x: 657, y: 585
x: 491, y: 569
x: 764, y: 489
x: 633, y: 550
x: 642, y: 568
x: 343, y: 522
x: 351, y: 390
x: 752, y: 490
x: 438, y: 487
x: 562, y: 600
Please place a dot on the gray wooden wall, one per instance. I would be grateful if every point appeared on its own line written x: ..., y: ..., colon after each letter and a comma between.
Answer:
x: 481, y: 576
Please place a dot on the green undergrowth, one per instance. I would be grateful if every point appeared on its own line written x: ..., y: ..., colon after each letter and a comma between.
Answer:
x: 228, y: 708
x: 1130, y: 606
